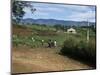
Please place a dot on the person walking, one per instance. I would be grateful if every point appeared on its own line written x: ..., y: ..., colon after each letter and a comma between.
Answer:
x: 55, y: 43
x: 42, y: 41
x: 50, y: 43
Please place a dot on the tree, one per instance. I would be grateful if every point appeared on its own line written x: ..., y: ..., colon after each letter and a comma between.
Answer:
x: 17, y: 9
x: 59, y: 27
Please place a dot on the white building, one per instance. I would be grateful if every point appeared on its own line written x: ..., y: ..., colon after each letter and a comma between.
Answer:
x: 71, y: 30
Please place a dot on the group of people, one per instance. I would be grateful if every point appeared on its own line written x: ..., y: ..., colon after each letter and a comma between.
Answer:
x: 51, y: 43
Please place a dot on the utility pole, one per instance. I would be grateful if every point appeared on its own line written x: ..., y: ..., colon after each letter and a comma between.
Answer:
x: 88, y: 31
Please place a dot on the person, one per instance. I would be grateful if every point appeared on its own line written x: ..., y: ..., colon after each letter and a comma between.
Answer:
x: 49, y: 43
x: 42, y: 41
x: 55, y: 43
x: 33, y: 39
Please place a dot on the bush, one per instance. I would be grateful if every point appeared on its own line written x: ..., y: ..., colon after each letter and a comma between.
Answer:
x: 80, y: 49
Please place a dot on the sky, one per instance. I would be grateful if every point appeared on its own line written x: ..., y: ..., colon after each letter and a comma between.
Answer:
x: 61, y: 12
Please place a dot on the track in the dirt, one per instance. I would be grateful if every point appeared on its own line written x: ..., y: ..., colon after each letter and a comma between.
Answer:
x: 42, y: 60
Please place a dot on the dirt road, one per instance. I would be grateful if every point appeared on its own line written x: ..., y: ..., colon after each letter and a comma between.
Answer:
x: 42, y: 60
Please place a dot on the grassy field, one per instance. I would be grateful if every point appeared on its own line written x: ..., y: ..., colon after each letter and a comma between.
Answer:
x: 23, y: 35
x: 28, y: 53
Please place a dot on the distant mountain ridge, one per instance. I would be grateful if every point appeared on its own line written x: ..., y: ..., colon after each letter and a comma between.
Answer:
x: 55, y: 22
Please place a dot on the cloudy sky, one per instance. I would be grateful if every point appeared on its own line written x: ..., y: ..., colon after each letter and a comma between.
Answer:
x: 61, y: 12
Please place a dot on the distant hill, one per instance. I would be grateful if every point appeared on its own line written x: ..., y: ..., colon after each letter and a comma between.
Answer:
x: 54, y: 22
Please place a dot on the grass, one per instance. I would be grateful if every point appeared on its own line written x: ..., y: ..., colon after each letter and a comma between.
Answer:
x: 20, y: 40
x: 24, y: 36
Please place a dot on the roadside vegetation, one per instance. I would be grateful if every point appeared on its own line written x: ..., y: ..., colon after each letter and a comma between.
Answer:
x: 80, y: 49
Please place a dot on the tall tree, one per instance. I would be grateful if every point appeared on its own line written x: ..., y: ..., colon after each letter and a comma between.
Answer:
x: 17, y: 9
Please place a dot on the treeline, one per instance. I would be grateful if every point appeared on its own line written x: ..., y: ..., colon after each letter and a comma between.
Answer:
x: 60, y: 27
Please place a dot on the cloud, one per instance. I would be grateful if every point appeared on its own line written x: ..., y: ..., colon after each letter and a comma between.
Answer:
x: 51, y: 8
x: 83, y: 16
x: 62, y: 7
x: 62, y: 12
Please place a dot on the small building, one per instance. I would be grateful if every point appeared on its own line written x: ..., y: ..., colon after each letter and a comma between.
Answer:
x: 71, y: 30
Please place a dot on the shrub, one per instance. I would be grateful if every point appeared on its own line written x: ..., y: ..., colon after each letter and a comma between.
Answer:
x: 80, y: 49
